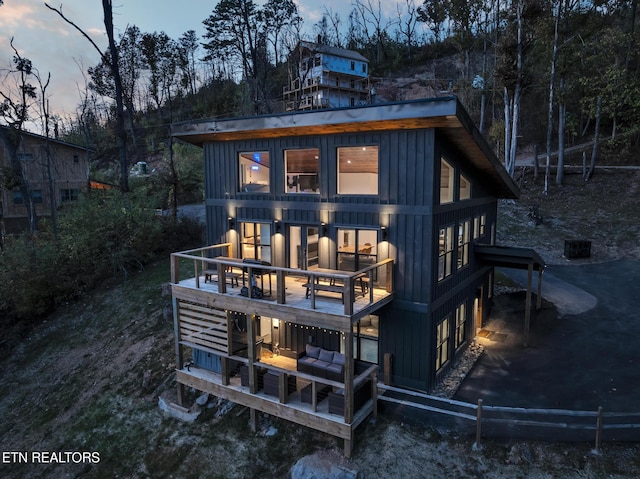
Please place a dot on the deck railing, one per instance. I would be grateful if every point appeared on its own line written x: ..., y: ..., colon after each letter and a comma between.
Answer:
x: 350, y: 285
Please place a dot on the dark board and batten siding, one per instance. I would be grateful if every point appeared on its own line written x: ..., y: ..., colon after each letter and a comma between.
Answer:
x: 408, y: 180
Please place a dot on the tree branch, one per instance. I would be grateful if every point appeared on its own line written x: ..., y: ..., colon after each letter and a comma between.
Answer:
x: 59, y: 12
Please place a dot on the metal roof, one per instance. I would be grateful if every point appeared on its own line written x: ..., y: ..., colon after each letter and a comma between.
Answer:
x: 509, y: 256
x: 335, y: 51
x: 445, y: 114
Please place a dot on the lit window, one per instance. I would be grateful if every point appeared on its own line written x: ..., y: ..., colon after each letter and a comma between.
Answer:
x: 461, y: 318
x: 483, y: 223
x: 465, y: 188
x: 463, y: 243
x: 358, y: 170
x: 254, y: 172
x: 446, y: 182
x: 442, y: 343
x: 445, y: 252
x: 476, y: 227
x: 255, y: 241
x: 301, y: 168
x: 357, y: 249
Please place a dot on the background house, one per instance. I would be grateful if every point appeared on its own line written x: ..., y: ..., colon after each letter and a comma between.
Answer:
x: 326, y: 77
x: 66, y: 175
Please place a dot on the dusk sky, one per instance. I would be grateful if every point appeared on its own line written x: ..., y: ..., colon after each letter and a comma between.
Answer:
x: 54, y: 46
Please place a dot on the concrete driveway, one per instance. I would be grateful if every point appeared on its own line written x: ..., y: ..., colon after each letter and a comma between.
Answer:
x: 584, y: 347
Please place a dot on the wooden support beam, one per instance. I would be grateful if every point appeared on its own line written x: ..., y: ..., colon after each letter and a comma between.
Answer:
x: 374, y: 393
x: 283, y: 387
x: 348, y: 378
x: 253, y: 419
x: 539, y: 298
x: 225, y: 373
x: 527, y: 312
x: 387, y: 369
x: 178, y: 350
x: 251, y: 353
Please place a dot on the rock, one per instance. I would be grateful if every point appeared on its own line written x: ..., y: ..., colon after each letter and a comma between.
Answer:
x: 176, y: 411
x: 322, y: 465
x: 271, y: 431
x: 202, y: 400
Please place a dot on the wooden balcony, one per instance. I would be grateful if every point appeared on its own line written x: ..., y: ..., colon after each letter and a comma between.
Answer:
x: 316, y: 297
x: 207, y: 288
x: 289, y: 401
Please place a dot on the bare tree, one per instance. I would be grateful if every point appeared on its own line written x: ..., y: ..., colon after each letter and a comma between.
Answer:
x: 15, y: 109
x: 407, y: 21
x: 107, y: 8
x: 552, y: 81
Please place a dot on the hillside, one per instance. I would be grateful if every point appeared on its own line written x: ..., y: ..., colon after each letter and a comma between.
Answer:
x: 89, y: 378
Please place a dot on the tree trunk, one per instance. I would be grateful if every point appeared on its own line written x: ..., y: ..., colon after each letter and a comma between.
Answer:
x: 552, y: 80
x: 594, y: 152
x: 115, y: 71
x: 562, y: 116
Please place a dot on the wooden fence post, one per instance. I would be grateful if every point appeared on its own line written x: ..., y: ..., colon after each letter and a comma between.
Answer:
x: 476, y: 445
x: 598, y: 431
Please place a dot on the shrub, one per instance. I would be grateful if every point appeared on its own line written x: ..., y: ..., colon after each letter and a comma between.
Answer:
x: 99, y: 237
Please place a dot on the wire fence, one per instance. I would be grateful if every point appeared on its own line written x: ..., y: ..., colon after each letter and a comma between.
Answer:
x: 512, y: 422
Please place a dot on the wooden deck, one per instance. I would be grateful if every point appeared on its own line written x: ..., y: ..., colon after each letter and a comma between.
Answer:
x: 315, y: 416
x: 329, y: 308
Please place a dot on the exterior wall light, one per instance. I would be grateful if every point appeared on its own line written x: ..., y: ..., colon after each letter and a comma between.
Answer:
x: 231, y: 222
x: 383, y: 231
x: 278, y: 226
x: 323, y: 229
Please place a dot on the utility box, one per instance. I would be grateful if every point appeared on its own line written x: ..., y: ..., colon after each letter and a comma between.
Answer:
x: 574, y: 249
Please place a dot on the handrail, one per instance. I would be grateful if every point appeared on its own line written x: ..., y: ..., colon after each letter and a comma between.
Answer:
x: 347, y: 279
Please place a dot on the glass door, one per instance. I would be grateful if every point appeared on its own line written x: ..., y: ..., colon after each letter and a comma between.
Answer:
x: 303, y: 247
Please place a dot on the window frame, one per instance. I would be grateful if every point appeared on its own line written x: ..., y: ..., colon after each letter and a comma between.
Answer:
x: 258, y: 243
x: 360, y: 251
x: 294, y: 181
x: 345, y: 150
x: 445, y: 255
x: 462, y: 178
x: 459, y: 336
x: 243, y: 155
x: 464, y: 240
x: 442, y: 342
x: 450, y: 197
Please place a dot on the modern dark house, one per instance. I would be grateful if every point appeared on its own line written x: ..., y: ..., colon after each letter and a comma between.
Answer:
x: 342, y: 248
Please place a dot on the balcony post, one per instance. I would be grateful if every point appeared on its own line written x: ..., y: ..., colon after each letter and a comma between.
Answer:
x: 349, y: 368
x: 280, y: 286
x: 251, y: 353
x: 178, y: 350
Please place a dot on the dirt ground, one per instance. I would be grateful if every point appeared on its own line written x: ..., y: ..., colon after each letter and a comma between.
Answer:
x: 89, y: 379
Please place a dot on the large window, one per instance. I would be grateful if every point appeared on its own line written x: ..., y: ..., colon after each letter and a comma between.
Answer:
x: 445, y: 252
x: 442, y: 343
x: 365, y: 339
x: 461, y: 319
x: 358, y: 170
x: 255, y: 241
x: 357, y: 249
x: 254, y: 172
x: 463, y: 243
x: 301, y: 168
x: 446, y: 182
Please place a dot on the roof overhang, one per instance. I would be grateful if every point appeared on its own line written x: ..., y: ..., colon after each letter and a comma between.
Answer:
x: 446, y: 115
x: 509, y: 257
